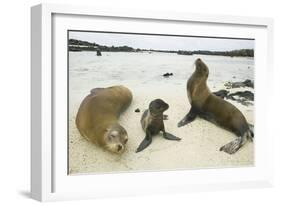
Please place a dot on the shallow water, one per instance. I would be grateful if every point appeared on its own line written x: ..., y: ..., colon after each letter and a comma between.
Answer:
x: 88, y: 71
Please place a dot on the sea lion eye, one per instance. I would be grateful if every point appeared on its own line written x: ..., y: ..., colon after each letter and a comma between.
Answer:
x: 125, y: 141
x: 113, y: 134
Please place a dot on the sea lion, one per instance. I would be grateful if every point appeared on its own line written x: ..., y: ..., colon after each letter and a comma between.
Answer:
x: 152, y: 123
x: 97, y: 117
x: 214, y: 109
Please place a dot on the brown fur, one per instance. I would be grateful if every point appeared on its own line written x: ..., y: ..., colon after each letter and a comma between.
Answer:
x: 99, y: 112
x: 214, y: 109
x: 224, y: 113
x: 152, y: 123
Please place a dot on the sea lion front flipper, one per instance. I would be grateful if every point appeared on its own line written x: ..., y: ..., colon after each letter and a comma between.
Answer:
x: 95, y: 91
x: 165, y: 117
x: 169, y: 136
x: 145, y: 143
x: 191, y: 115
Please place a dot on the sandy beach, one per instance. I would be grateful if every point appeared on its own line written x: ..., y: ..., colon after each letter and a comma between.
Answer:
x: 201, y: 140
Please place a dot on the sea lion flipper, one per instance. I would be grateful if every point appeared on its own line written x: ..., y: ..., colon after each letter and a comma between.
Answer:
x: 191, y: 115
x: 231, y: 147
x: 95, y: 91
x: 144, y: 144
x: 235, y: 145
x: 251, y: 129
x: 169, y: 136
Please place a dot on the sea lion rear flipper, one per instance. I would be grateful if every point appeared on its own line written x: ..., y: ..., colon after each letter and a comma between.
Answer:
x: 191, y: 115
x: 251, y: 130
x: 235, y: 145
x: 144, y: 144
x: 169, y: 136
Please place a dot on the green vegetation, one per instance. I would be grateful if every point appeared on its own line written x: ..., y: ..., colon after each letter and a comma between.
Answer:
x: 234, y: 53
x: 78, y: 45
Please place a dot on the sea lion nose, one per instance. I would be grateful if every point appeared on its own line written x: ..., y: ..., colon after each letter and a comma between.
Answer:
x: 119, y: 147
x: 198, y: 61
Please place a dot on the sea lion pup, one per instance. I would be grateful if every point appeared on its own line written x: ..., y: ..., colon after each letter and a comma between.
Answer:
x: 97, y: 117
x: 214, y: 109
x: 152, y: 123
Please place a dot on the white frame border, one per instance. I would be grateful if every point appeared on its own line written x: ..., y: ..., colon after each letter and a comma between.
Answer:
x: 42, y: 86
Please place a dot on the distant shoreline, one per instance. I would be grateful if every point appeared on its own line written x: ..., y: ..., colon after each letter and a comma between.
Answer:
x: 78, y: 46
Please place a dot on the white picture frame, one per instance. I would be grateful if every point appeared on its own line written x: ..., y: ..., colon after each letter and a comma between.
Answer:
x: 49, y: 179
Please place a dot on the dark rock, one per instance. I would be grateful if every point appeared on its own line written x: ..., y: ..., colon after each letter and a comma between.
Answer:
x: 221, y: 93
x: 180, y: 52
x: 243, y: 97
x: 247, y: 95
x: 246, y: 83
x: 137, y: 110
x: 74, y: 49
x: 98, y: 53
x: 249, y: 83
x: 168, y: 74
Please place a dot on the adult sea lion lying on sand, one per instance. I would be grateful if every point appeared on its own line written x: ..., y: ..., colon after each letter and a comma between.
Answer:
x: 214, y: 109
x: 97, y: 117
x: 152, y: 123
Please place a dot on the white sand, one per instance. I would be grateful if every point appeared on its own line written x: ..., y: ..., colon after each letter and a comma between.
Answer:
x: 142, y: 73
x: 199, y: 147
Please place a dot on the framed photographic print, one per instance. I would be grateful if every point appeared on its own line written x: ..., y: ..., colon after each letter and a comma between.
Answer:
x: 135, y: 102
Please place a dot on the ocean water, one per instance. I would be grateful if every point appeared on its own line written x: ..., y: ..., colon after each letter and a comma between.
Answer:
x: 87, y: 71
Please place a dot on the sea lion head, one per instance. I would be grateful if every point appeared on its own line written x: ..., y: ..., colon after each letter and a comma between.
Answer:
x: 201, y: 68
x: 116, y: 138
x: 158, y: 106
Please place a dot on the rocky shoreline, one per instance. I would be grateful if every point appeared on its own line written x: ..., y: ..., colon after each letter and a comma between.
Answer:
x: 244, y: 97
x: 75, y: 45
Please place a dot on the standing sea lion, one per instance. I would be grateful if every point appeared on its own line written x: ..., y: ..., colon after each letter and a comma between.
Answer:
x: 214, y: 109
x: 97, y: 118
x: 152, y: 123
